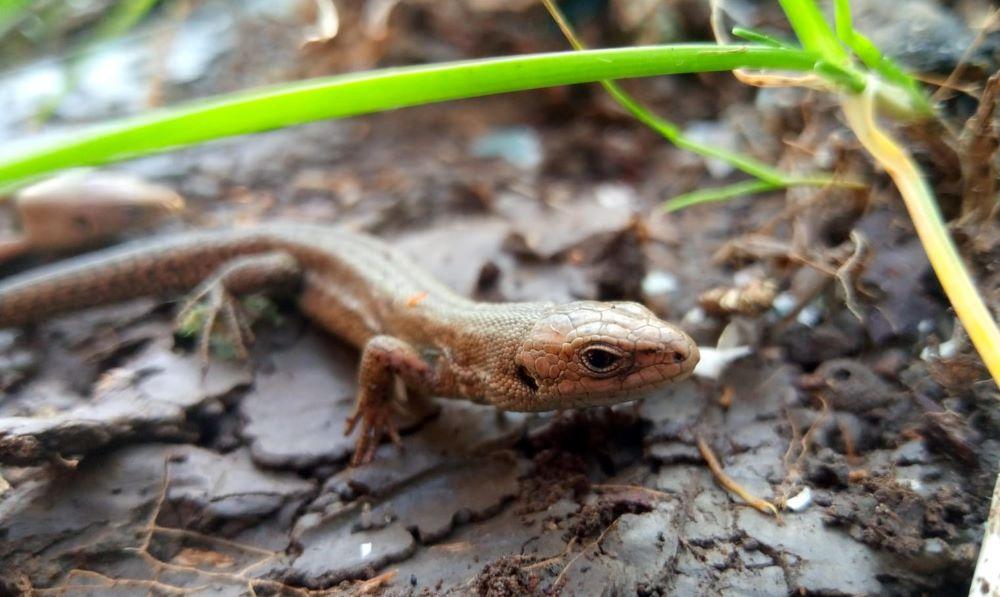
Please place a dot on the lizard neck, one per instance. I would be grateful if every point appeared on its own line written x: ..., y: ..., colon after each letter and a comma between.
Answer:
x: 478, y: 360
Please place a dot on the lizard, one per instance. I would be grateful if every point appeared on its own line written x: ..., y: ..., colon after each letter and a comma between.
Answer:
x: 516, y: 356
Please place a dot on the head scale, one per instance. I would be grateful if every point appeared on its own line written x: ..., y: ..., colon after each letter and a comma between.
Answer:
x: 589, y: 353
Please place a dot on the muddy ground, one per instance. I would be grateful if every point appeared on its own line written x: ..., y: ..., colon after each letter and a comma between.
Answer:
x: 129, y: 474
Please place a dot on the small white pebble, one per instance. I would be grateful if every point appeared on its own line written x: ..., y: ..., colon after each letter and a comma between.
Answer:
x: 934, y: 546
x: 693, y: 317
x: 810, y: 315
x: 945, y: 350
x: 366, y: 548
x: 518, y: 145
x: 801, y: 500
x: 614, y: 195
x: 744, y: 277
x: 825, y: 157
x: 784, y: 303
x: 658, y: 283
x: 715, y: 360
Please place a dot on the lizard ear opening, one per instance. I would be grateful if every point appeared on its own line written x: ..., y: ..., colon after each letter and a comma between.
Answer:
x: 526, y: 378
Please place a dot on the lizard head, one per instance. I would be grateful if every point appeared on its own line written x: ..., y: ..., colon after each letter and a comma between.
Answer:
x: 589, y: 353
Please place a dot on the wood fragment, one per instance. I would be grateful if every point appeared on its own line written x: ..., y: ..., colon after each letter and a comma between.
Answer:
x: 979, y: 145
x: 729, y: 483
x: 374, y: 584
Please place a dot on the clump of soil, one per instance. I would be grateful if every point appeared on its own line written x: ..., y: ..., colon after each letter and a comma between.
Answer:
x: 595, y: 518
x: 891, y: 516
x: 594, y: 432
x: 556, y: 475
x: 573, y: 449
x: 947, y: 512
x: 506, y: 577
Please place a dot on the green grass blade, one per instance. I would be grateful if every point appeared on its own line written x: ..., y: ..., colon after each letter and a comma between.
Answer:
x: 873, y: 58
x: 814, y: 32
x: 752, y: 187
x: 842, y: 20
x: 670, y: 131
x: 714, y: 194
x: 125, y: 15
x: 847, y: 78
x: 289, y: 104
x: 761, y: 38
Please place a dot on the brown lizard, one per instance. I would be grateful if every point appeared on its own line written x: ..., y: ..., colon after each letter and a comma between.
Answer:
x: 515, y: 356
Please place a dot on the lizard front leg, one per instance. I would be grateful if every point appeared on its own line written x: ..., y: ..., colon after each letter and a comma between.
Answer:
x: 382, y: 360
x: 216, y: 296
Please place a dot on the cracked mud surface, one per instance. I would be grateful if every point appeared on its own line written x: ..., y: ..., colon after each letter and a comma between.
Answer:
x: 129, y: 473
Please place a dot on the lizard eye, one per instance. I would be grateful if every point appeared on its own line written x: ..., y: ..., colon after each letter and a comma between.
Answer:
x: 601, y: 359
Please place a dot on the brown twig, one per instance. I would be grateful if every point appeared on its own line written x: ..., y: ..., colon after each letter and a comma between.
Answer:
x: 793, y: 470
x: 729, y: 483
x: 847, y: 274
x: 949, y: 83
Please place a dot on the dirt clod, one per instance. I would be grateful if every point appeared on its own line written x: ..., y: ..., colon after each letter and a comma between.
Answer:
x: 595, y: 518
x: 506, y: 577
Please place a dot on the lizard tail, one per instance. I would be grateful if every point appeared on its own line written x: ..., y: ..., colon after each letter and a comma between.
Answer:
x: 110, y: 276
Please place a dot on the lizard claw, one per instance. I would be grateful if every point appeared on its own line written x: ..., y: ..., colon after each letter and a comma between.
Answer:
x: 376, y: 422
x: 208, y: 306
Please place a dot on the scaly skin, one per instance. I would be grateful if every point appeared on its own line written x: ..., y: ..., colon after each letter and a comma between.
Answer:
x: 515, y: 356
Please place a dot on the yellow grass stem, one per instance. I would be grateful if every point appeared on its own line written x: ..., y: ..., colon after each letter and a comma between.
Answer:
x: 951, y: 271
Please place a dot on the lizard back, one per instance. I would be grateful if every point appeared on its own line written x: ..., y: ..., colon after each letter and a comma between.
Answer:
x: 356, y: 269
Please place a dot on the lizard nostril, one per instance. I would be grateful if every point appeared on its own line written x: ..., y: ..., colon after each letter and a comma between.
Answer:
x: 679, y: 357
x: 526, y: 378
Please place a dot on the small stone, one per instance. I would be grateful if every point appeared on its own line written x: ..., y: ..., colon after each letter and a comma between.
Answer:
x: 674, y: 453
x: 519, y: 146
x: 332, y: 553
x: 800, y: 501
x: 562, y: 509
x: 433, y: 506
x: 206, y: 487
x: 912, y: 452
x: 657, y: 283
x: 295, y: 412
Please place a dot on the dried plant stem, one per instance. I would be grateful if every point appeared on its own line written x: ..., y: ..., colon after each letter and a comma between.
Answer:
x: 729, y: 483
x: 951, y: 271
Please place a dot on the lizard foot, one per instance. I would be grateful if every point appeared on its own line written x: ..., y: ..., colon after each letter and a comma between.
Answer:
x: 376, y: 419
x: 385, y: 360
x: 208, y: 306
